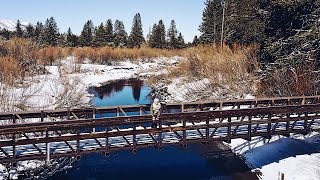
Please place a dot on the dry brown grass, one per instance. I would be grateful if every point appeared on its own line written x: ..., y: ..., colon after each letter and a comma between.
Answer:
x: 230, y: 68
x: 10, y: 70
x: 50, y: 55
x: 229, y: 63
x: 107, y: 55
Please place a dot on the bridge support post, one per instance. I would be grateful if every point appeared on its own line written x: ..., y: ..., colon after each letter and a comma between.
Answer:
x: 48, y: 153
x: 160, y: 134
x: 288, y: 126
x: 14, y: 139
x: 305, y: 124
x: 94, y: 116
x: 68, y: 113
x: 134, y: 140
x: 249, y: 128
x: 184, y: 140
x: 268, y: 136
x: 107, y: 153
x: 229, y: 131
x: 207, y: 131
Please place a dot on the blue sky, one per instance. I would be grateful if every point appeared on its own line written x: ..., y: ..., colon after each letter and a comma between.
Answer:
x: 74, y: 13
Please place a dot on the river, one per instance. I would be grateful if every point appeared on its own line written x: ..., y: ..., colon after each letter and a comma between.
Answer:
x: 171, y: 162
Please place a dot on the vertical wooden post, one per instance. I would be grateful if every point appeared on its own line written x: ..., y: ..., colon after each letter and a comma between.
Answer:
x: 220, y: 105
x: 68, y: 113
x: 249, y: 128
x: 94, y: 116
x: 42, y: 119
x: 220, y: 109
x: 48, y: 149
x: 14, y: 139
x: 184, y: 133
x: 118, y: 112
x: 140, y: 111
x: 238, y: 107
x: 229, y: 131
x: 78, y: 144
x: 305, y: 124
x: 288, y: 123
x: 42, y: 116
x: 207, y: 129
x: 269, y: 125
x: 160, y: 134
x: 134, y: 139
x: 107, y: 143
x: 229, y: 128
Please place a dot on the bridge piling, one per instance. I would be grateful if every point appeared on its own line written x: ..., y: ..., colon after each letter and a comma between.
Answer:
x: 47, y: 149
x: 249, y: 128
x: 229, y: 131
x: 134, y: 140
x: 48, y: 153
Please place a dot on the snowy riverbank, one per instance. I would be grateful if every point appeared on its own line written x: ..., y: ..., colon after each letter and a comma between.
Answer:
x: 297, y: 157
x: 67, y: 86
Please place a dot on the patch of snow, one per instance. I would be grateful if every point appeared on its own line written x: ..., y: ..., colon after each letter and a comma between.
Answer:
x: 297, y: 157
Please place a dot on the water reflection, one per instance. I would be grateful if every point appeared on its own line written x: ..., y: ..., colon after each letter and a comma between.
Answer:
x: 196, y: 162
x: 124, y: 91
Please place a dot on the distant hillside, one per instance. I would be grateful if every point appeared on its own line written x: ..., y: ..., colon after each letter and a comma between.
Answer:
x: 10, y: 25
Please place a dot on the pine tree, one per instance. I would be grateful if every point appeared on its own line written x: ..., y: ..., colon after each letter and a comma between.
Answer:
x: 195, y: 41
x: 19, y: 32
x: 38, y: 29
x: 5, y: 34
x: 62, y: 40
x: 162, y: 35
x: 39, y: 33
x: 172, y: 36
x: 71, y: 39
x: 86, y: 37
x: 120, y: 34
x: 211, y: 25
x: 30, y: 31
x: 136, y: 36
x: 109, y: 32
x: 180, y: 41
x: 153, y: 36
x: 50, y: 33
x: 243, y: 22
x: 158, y: 36
x: 100, y: 36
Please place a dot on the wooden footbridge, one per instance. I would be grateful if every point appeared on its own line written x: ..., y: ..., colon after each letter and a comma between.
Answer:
x: 51, y: 134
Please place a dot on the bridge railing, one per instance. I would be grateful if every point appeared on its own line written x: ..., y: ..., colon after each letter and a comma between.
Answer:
x: 71, y: 138
x: 118, y: 111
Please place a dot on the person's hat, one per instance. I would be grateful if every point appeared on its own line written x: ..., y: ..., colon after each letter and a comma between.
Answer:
x: 156, y: 100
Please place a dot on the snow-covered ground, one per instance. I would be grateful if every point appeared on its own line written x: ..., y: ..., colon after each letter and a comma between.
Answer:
x: 61, y: 86
x: 298, y: 157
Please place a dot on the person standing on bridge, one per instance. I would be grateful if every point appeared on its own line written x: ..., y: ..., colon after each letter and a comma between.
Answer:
x: 155, y: 109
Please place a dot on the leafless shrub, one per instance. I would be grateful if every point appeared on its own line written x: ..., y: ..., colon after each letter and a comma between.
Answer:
x: 230, y: 70
x: 67, y: 92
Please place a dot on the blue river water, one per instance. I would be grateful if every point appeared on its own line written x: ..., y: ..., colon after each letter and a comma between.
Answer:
x: 171, y: 162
